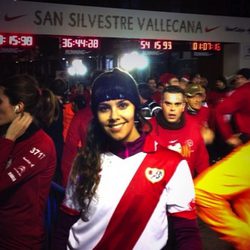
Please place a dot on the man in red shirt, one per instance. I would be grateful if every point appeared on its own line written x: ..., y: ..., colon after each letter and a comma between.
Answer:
x: 174, y: 130
x: 238, y: 106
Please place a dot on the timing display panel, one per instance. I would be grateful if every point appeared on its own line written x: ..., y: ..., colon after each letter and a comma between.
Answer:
x: 16, y: 40
x: 147, y: 44
x: 79, y: 43
x: 168, y: 45
x: 206, y: 46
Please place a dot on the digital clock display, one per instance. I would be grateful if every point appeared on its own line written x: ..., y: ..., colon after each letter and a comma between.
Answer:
x: 156, y: 44
x: 206, y: 46
x: 16, y: 40
x: 79, y: 43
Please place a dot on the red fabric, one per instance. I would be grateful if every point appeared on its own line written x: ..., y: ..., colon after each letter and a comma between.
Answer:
x: 238, y: 105
x: 166, y: 77
x: 26, y: 171
x: 69, y: 211
x: 214, y: 97
x: 163, y: 160
x: 189, y: 139
x: 75, y: 138
x: 157, y: 96
x: 68, y: 115
x: 203, y: 116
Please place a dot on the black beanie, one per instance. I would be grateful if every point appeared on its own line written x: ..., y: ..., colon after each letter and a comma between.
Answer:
x: 244, y: 72
x: 115, y: 84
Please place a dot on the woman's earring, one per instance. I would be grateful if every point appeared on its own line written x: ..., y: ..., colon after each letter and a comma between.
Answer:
x: 16, y: 109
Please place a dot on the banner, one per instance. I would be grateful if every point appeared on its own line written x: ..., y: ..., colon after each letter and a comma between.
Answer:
x: 76, y: 20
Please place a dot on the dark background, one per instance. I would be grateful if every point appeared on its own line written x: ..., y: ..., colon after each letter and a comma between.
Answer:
x: 237, y: 8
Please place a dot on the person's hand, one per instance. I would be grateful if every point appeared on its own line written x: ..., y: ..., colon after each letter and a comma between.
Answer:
x: 234, y: 140
x: 207, y: 135
x: 18, y: 126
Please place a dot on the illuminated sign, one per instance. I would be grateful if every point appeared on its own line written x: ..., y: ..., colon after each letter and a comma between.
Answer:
x: 79, y: 43
x: 206, y: 46
x: 16, y: 40
x: 147, y: 44
x: 165, y: 45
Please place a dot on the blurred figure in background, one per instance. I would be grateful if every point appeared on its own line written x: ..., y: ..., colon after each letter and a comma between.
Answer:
x: 27, y: 162
x: 218, y: 92
x: 216, y: 95
x: 77, y: 131
x: 169, y: 79
x: 237, y: 105
x: 75, y: 139
x: 55, y: 130
x: 148, y: 107
x: 196, y: 78
x: 195, y: 110
x: 184, y: 80
x: 223, y: 197
x: 153, y: 84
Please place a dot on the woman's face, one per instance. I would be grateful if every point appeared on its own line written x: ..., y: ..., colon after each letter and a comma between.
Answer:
x: 7, y: 111
x: 117, y: 119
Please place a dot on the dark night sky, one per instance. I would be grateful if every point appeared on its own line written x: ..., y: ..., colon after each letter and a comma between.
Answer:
x: 237, y: 8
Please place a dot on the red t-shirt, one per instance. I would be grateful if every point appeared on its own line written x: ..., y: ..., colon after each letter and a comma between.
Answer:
x: 186, y: 140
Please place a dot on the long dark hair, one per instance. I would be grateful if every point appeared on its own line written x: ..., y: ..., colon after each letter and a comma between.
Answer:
x: 87, y: 165
x: 40, y: 103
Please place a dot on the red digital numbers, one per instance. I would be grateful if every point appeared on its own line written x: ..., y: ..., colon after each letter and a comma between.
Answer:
x: 205, y: 46
x: 16, y: 40
x: 156, y: 45
x: 84, y: 43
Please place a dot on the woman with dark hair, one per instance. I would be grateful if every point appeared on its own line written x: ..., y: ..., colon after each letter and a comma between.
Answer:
x: 122, y: 186
x: 27, y: 161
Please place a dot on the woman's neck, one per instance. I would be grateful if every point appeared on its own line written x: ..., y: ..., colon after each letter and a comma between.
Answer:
x: 129, y: 148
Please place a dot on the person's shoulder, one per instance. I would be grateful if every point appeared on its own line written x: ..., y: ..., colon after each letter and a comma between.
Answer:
x: 153, y: 121
x: 245, y: 87
x: 242, y: 90
x: 42, y: 139
x: 40, y: 145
